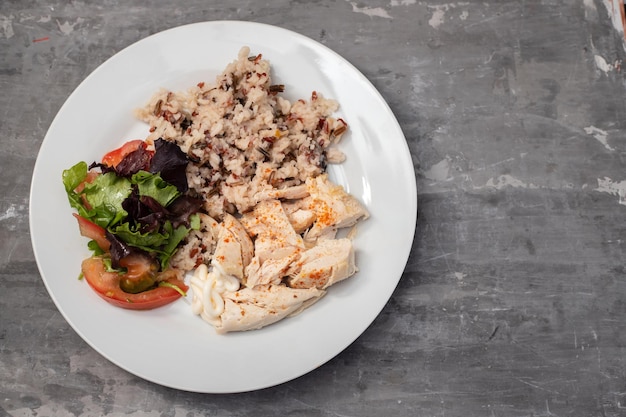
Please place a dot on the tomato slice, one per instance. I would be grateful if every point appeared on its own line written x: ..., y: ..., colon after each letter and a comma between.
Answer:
x: 141, y: 272
x: 93, y: 231
x: 107, y: 285
x: 114, y: 157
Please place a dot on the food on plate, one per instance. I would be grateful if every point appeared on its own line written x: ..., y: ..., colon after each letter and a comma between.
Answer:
x: 247, y: 142
x: 135, y: 208
x: 260, y: 238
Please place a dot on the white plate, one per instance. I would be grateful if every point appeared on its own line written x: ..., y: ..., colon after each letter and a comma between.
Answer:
x: 170, y: 346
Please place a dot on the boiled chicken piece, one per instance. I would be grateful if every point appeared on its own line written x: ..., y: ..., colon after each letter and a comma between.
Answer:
x: 227, y: 257
x: 271, y: 271
x: 327, y: 263
x: 249, y: 309
x: 299, y: 213
x: 241, y: 235
x: 234, y: 248
x: 275, y: 238
x: 291, y: 206
x: 210, y: 225
x: 333, y: 207
x: 301, y: 220
x: 289, y: 193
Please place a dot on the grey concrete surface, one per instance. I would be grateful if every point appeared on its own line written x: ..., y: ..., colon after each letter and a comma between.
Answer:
x: 513, y: 301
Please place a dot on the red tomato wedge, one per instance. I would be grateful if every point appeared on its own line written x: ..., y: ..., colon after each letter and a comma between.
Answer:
x: 138, y: 266
x: 114, y: 157
x: 141, y: 272
x: 92, y: 231
x: 107, y: 285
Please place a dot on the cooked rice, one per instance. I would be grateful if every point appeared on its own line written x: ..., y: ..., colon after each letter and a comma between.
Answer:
x: 243, y: 136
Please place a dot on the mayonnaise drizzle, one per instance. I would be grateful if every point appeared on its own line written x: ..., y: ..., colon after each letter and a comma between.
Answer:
x: 208, y: 287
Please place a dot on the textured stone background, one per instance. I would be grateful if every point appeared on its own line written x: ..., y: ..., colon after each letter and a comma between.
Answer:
x: 513, y: 300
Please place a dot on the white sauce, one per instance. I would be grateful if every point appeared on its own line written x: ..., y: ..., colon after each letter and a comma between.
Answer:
x: 208, y: 287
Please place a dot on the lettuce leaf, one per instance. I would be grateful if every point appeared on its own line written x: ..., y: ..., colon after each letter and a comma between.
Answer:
x: 95, y: 248
x: 74, y: 176
x: 194, y: 221
x: 152, y: 185
x: 176, y: 235
x: 105, y: 195
x: 135, y: 238
x: 163, y: 244
x: 141, y: 205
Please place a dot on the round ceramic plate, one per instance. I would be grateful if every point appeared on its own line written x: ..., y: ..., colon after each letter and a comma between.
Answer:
x: 170, y: 346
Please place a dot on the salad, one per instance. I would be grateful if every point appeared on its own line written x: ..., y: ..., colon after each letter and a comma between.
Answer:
x: 134, y: 209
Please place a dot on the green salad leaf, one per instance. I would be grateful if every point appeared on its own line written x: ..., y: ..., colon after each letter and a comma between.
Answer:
x: 72, y: 178
x: 152, y: 185
x: 101, y: 201
x: 194, y: 221
x: 134, y: 237
x: 105, y: 195
x: 95, y: 248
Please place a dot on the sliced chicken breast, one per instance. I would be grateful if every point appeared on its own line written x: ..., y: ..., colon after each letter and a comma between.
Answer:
x: 289, y: 193
x: 327, y: 263
x: 241, y: 235
x: 249, y: 309
x: 227, y: 257
x: 333, y: 207
x: 275, y: 237
x: 272, y: 271
x: 299, y: 213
